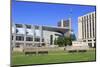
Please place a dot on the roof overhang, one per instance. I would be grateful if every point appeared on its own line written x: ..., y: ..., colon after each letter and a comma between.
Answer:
x: 56, y: 29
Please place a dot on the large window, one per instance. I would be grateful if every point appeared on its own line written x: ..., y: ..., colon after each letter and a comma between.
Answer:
x: 29, y: 39
x: 28, y: 44
x: 37, y: 33
x: 84, y: 40
x: 19, y: 25
x: 89, y: 40
x: 20, y: 38
x: 28, y: 26
x: 17, y: 45
x: 90, y: 44
x: 51, y: 39
x: 67, y: 23
x: 12, y: 37
x: 37, y: 39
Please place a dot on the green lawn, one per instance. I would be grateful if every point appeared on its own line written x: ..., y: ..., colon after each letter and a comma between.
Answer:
x: 52, y: 57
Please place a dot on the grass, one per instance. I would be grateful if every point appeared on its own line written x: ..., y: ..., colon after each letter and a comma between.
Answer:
x: 52, y: 57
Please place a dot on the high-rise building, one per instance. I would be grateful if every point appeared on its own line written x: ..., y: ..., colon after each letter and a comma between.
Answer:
x: 87, y: 29
x: 65, y: 24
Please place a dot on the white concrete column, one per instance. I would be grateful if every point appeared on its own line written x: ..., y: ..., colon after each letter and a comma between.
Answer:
x: 24, y: 35
x: 92, y: 42
x: 86, y: 29
x: 94, y: 25
x: 83, y: 29
x: 88, y: 32
x: 33, y: 29
x: 53, y: 38
x: 86, y: 26
x: 41, y: 35
x: 14, y: 36
x: 91, y: 27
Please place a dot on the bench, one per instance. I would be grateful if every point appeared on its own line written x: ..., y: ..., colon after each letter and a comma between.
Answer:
x: 30, y: 53
x: 82, y: 50
x: 42, y: 52
x: 72, y: 51
x: 35, y: 53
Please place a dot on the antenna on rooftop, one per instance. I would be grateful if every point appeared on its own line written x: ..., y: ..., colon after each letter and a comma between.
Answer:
x: 70, y: 18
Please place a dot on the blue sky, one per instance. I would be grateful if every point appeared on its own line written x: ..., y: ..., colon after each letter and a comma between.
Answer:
x: 47, y: 14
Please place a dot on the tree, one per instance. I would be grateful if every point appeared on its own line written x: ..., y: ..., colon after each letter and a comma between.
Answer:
x: 67, y: 41
x: 63, y: 41
x: 60, y: 41
x: 55, y: 41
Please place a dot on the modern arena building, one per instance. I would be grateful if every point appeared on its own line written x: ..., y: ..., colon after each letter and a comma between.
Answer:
x: 24, y: 35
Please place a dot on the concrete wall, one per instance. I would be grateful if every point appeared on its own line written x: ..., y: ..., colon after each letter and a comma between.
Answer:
x: 79, y: 43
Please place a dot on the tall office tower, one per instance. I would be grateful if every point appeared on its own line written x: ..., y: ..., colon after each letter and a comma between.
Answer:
x: 87, y: 29
x: 65, y: 24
